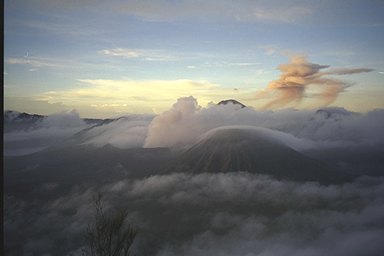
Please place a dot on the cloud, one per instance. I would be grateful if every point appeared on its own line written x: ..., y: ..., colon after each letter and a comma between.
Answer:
x: 64, y: 27
x: 211, y: 214
x: 290, y: 14
x: 54, y: 4
x: 137, y: 96
x: 350, y: 140
x: 179, y: 119
x: 125, y: 132
x: 254, y: 215
x: 220, y: 64
x: 148, y: 55
x: 244, y: 11
x: 348, y: 71
x: 49, y: 131
x: 36, y: 63
x: 186, y: 121
x: 65, y: 119
x: 32, y: 61
x: 299, y: 76
x: 33, y: 105
x: 164, y: 10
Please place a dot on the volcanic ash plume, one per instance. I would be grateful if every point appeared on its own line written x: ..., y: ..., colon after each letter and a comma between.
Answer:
x: 299, y: 74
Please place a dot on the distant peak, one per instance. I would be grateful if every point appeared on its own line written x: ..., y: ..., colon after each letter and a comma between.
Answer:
x: 10, y: 115
x: 231, y: 101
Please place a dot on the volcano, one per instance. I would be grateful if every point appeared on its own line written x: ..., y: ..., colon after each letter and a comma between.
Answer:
x: 254, y: 150
x: 231, y: 101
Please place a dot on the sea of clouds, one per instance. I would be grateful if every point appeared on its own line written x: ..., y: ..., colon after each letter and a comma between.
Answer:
x: 211, y: 214
x: 186, y: 122
x: 207, y: 214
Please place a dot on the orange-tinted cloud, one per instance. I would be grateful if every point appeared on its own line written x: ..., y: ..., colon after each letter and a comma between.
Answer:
x: 300, y: 74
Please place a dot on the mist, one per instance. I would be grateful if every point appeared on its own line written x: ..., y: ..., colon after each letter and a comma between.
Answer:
x: 31, y: 136
x: 49, y: 191
x: 60, y: 128
x: 124, y: 132
x: 214, y: 214
x: 186, y: 122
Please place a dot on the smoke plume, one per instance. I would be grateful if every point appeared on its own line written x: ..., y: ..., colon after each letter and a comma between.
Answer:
x: 298, y: 75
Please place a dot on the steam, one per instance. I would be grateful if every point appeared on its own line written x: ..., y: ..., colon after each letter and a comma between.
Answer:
x: 298, y: 75
x: 186, y: 122
x: 180, y: 119
x: 201, y: 214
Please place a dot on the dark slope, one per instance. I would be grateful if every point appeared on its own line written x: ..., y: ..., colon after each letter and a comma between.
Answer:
x: 68, y: 166
x: 254, y: 151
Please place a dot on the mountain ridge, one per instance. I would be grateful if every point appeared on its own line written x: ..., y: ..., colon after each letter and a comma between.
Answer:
x: 254, y: 150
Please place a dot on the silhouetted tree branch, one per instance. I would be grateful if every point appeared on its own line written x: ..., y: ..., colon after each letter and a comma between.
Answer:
x: 109, y: 234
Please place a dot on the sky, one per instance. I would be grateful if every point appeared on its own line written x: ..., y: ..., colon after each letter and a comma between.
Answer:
x: 112, y: 58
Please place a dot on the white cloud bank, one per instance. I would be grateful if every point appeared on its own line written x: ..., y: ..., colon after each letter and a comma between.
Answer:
x: 186, y: 121
x: 51, y: 130
x: 215, y: 214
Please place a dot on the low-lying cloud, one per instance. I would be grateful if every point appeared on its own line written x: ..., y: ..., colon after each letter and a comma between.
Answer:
x: 125, y: 132
x: 186, y: 122
x: 247, y: 214
x: 51, y: 130
x: 212, y: 214
x: 201, y: 214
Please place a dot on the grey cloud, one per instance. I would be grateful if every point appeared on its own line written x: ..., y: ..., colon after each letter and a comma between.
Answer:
x: 313, y: 220
x: 211, y: 214
x: 281, y: 217
x: 348, y: 71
